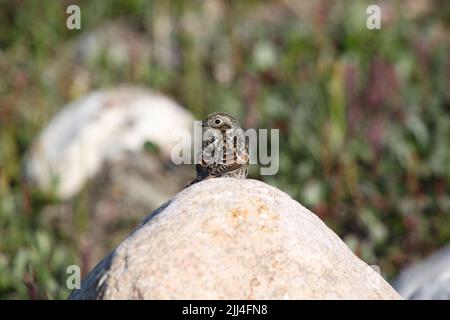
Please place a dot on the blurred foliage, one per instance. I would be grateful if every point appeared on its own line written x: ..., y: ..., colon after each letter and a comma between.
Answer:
x: 364, y: 115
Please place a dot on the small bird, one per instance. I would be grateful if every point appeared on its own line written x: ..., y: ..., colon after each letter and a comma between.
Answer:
x: 224, y: 150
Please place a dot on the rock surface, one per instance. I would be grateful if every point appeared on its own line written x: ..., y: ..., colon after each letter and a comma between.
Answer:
x: 428, y: 279
x: 233, y: 239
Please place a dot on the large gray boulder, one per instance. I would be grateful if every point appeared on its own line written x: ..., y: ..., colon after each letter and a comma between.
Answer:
x: 233, y: 239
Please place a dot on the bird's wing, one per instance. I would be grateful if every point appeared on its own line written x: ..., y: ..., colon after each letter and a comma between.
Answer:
x: 220, y: 169
x: 202, y: 171
x: 234, y: 158
x: 235, y: 151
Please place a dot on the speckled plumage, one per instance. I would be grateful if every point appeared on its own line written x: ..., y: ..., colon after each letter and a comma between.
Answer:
x: 224, y: 150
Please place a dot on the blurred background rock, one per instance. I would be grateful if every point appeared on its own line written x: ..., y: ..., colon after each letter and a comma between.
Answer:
x: 428, y: 279
x: 364, y: 119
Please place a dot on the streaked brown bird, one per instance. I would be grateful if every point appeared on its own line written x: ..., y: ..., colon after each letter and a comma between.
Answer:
x: 224, y: 150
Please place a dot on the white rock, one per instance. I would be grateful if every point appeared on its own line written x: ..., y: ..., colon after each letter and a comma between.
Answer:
x: 101, y: 126
x: 233, y: 239
x: 427, y: 279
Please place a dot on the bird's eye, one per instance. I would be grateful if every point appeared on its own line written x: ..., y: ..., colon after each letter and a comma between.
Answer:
x: 217, y: 121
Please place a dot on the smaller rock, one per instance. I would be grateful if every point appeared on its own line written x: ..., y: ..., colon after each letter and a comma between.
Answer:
x: 103, y: 126
x: 429, y: 279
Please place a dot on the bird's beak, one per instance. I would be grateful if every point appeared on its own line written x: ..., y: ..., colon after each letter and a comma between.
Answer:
x: 204, y: 124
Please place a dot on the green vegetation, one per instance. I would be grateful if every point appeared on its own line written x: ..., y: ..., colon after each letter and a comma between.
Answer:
x: 364, y: 115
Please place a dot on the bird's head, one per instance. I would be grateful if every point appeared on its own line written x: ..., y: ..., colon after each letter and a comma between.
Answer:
x: 220, y: 120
